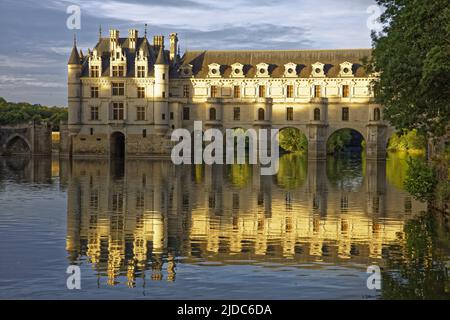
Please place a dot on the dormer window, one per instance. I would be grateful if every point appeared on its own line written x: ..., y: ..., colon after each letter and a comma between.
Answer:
x: 318, y: 70
x: 262, y: 70
x: 95, y: 64
x: 95, y: 71
x: 346, y: 69
x: 141, y: 64
x: 237, y: 70
x: 290, y: 70
x: 214, y: 70
x: 186, y: 70
x: 140, y: 71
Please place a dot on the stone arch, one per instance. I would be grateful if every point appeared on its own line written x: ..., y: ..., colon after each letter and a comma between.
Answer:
x: 117, y: 144
x: 302, y: 138
x: 362, y: 130
x: 355, y: 133
x: 18, y: 144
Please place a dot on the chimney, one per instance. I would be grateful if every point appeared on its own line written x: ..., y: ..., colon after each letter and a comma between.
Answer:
x: 132, y: 37
x: 173, y: 47
x: 158, y: 41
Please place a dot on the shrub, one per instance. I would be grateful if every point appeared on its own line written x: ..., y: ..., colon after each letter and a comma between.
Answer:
x: 420, y: 179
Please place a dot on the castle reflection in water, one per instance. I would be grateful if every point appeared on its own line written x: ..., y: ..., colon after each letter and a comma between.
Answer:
x: 138, y: 215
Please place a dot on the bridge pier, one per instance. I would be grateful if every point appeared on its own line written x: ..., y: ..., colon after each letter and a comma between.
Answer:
x: 317, y: 144
x: 376, y: 141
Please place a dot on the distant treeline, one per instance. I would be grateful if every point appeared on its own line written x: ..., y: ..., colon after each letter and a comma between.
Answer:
x: 22, y: 112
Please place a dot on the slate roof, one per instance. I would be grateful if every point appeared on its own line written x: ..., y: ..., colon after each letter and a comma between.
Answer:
x: 276, y: 60
x: 74, y: 56
x: 102, y: 47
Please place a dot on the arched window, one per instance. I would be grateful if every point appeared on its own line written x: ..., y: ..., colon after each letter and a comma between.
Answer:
x: 316, y: 114
x: 376, y: 114
x: 212, y: 114
x: 260, y: 114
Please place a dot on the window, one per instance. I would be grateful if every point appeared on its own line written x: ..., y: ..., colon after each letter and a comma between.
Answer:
x: 141, y: 92
x: 316, y: 114
x: 317, y: 91
x: 289, y: 113
x: 261, y: 114
x: 163, y: 116
x: 164, y: 76
x: 185, y: 113
x: 262, y: 91
x: 94, y: 92
x: 94, y: 113
x: 290, y: 91
x: 212, y: 114
x: 171, y: 116
x: 91, y: 131
x: 213, y: 91
x: 236, y: 114
x: 118, y: 71
x: 144, y: 133
x: 237, y: 91
x: 118, y: 111
x: 376, y: 114
x: 118, y: 89
x: 345, y: 114
x: 345, y: 91
x: 141, y: 71
x: 95, y: 71
x: 186, y: 91
x: 140, y: 113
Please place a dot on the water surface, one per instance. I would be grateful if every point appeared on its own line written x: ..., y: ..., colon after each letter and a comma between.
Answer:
x: 149, y: 229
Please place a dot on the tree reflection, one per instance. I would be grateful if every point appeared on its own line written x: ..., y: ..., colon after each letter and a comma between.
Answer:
x: 418, y: 270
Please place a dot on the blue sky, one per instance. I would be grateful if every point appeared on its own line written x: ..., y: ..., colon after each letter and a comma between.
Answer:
x: 36, y: 42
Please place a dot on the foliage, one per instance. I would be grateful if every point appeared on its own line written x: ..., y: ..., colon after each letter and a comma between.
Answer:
x: 420, y: 179
x: 293, y: 140
x: 410, y: 141
x: 338, y: 140
x: 412, y: 57
x: 417, y: 269
x: 15, y: 113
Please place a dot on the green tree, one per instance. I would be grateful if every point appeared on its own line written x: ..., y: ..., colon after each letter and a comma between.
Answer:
x: 420, y: 179
x: 412, y: 57
x: 293, y: 140
x: 21, y: 112
x: 339, y: 140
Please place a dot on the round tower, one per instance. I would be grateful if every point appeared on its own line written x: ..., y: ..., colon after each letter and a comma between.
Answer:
x: 161, y: 89
x: 74, y: 88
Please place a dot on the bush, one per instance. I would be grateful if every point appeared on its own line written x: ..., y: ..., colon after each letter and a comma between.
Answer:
x: 421, y: 179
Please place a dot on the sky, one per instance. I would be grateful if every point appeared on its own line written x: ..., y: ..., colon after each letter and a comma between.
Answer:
x: 36, y: 41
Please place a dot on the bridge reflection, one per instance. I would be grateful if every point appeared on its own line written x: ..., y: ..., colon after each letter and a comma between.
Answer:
x: 151, y: 215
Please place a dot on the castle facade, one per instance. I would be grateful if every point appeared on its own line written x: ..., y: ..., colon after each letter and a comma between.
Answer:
x: 127, y: 94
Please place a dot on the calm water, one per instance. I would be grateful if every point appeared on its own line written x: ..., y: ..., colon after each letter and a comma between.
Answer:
x: 149, y: 229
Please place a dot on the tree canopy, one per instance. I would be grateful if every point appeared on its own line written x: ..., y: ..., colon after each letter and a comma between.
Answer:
x: 21, y: 112
x: 412, y: 56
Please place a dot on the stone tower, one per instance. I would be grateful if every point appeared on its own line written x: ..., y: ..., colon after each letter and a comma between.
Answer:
x: 161, y: 90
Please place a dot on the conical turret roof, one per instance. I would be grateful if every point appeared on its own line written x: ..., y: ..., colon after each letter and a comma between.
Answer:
x: 161, y: 59
x: 74, y: 56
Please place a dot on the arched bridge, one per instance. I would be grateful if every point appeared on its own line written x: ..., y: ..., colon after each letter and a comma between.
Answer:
x: 33, y: 138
